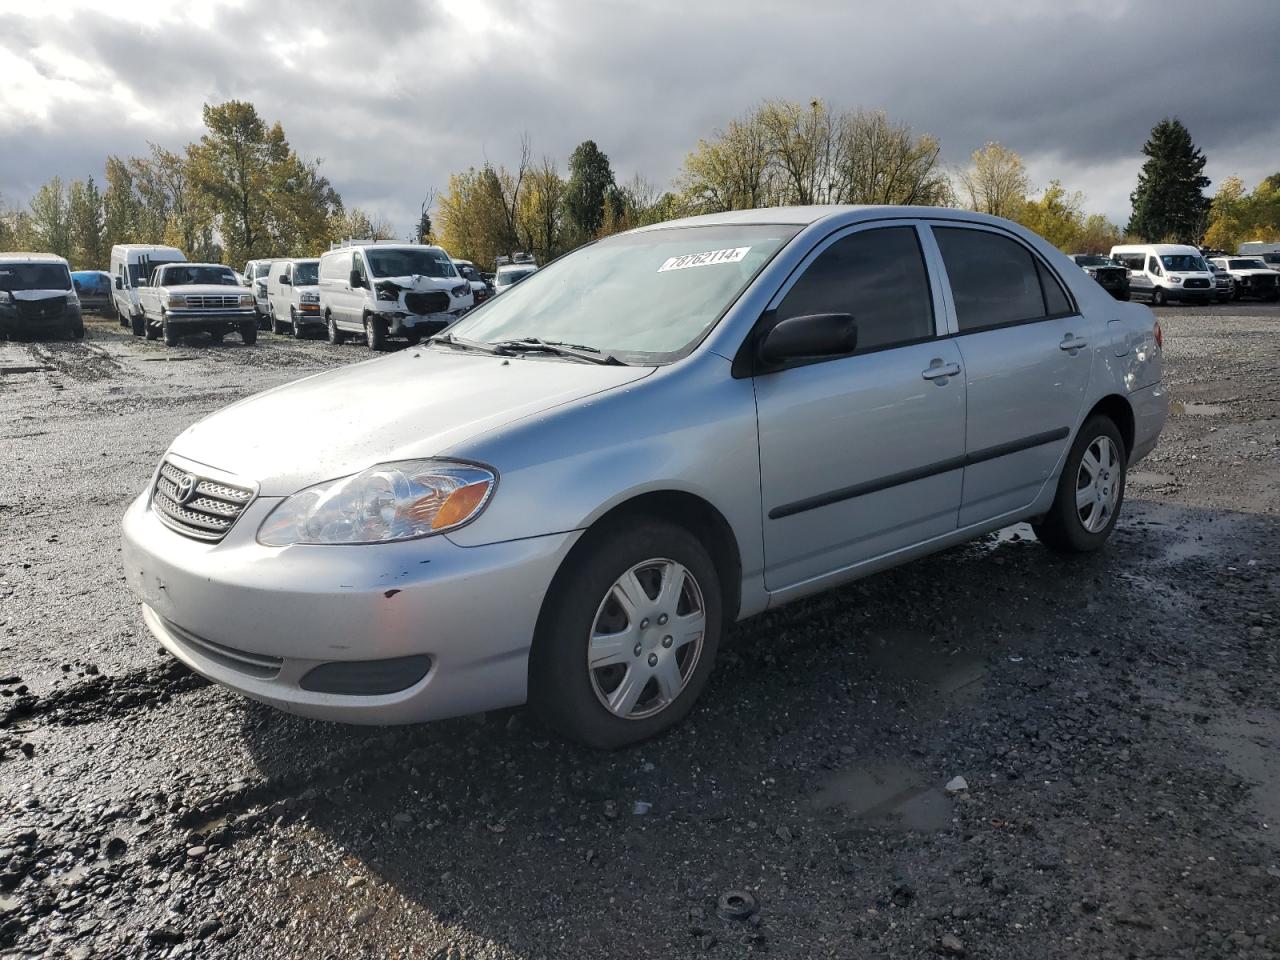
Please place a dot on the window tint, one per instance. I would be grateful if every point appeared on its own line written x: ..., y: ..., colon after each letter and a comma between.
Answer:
x: 879, y: 277
x: 994, y: 280
x: 1056, y: 301
x: 1153, y: 266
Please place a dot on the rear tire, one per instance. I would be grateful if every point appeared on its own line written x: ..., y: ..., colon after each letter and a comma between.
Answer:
x: 336, y: 336
x: 1090, y: 490
x: 584, y: 610
x: 375, y: 332
x: 77, y: 332
x: 249, y: 333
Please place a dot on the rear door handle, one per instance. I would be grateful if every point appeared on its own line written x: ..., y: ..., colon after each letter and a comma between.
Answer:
x: 1073, y: 343
x: 939, y: 370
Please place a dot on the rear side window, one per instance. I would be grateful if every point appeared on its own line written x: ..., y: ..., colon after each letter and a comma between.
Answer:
x: 996, y: 281
x: 1056, y: 301
x: 879, y: 277
x: 336, y: 267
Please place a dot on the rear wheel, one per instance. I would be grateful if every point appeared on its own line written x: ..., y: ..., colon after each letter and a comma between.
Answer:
x: 249, y: 333
x: 336, y: 336
x: 1158, y: 297
x: 1090, y: 491
x: 628, y: 636
x: 375, y: 332
x: 77, y: 332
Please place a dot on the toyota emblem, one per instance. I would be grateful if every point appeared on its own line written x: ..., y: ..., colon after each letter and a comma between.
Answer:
x: 186, y: 488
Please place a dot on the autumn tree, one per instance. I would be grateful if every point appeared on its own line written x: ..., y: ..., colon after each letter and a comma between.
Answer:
x: 995, y: 182
x: 51, y: 218
x: 1237, y: 215
x: 886, y: 162
x: 1169, y: 202
x: 357, y: 224
x: 590, y: 178
x: 89, y: 248
x: 543, y: 210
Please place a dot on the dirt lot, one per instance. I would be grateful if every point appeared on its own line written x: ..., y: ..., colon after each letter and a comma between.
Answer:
x: 1116, y: 719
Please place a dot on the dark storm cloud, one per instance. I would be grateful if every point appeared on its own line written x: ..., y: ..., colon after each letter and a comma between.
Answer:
x: 405, y: 93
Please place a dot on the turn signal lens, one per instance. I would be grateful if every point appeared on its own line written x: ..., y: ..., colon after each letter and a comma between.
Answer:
x: 461, y: 504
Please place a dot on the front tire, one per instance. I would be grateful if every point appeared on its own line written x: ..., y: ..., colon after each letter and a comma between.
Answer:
x: 170, y: 334
x: 336, y: 336
x: 299, y: 331
x: 276, y: 326
x: 375, y: 333
x: 138, y: 325
x: 1159, y: 298
x: 249, y: 333
x: 628, y: 635
x: 1090, y: 491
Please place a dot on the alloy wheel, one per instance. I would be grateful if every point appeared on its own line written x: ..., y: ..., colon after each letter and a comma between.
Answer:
x: 646, y: 638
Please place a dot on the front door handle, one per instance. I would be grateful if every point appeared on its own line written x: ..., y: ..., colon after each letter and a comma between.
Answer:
x: 1073, y: 343
x: 939, y: 370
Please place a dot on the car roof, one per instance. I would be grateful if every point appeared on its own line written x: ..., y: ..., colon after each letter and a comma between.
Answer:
x: 1157, y: 248
x: 808, y: 215
x: 22, y: 257
x: 299, y: 260
x: 187, y: 263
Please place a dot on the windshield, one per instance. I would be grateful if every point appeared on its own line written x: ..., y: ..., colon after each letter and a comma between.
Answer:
x: 1183, y: 261
x: 514, y: 275
x: 34, y: 276
x: 260, y: 270
x: 1247, y: 264
x: 306, y: 274
x: 467, y: 270
x: 409, y: 262
x: 189, y: 276
x: 643, y: 297
x: 1093, y: 260
x: 138, y: 272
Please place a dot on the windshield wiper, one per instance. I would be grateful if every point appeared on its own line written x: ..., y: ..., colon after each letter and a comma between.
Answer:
x: 575, y: 350
x: 449, y: 340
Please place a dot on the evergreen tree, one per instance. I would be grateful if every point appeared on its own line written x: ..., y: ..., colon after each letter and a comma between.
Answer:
x: 1169, y: 203
x: 590, y: 181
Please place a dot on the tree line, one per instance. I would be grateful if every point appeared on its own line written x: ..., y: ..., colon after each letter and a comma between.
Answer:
x: 241, y: 191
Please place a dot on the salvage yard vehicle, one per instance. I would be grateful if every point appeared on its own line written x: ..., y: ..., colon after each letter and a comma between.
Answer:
x: 255, y: 278
x: 37, y: 297
x: 480, y: 290
x: 131, y: 265
x: 1224, y: 288
x: 511, y: 270
x: 1268, y: 253
x: 567, y: 497
x: 1161, y: 272
x: 185, y: 298
x: 293, y: 296
x: 93, y: 287
x: 381, y: 289
x: 1111, y: 276
x: 1250, y: 278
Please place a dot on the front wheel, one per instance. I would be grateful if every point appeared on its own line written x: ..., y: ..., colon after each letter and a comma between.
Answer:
x: 1090, y: 491
x: 299, y: 331
x: 276, y: 326
x: 249, y: 332
x: 138, y: 325
x: 170, y: 334
x: 1158, y: 297
x: 628, y: 636
x: 375, y: 333
x: 77, y: 332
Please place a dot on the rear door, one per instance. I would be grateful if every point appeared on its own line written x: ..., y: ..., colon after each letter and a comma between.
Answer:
x: 1027, y: 354
x: 861, y: 455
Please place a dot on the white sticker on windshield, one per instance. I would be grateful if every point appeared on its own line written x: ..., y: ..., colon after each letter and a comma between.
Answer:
x: 705, y: 259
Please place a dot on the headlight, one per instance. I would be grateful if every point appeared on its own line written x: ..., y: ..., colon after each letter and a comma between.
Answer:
x: 176, y: 300
x: 1175, y: 279
x: 246, y: 300
x: 462, y: 290
x: 1091, y: 271
x: 392, y: 501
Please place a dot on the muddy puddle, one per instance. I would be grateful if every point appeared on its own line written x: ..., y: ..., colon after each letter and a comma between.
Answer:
x: 889, y: 795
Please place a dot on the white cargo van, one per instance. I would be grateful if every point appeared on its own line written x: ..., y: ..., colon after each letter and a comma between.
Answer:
x: 293, y: 296
x: 1161, y: 272
x: 389, y: 289
x: 131, y: 266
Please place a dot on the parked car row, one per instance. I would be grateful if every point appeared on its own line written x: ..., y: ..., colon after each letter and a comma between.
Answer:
x: 1164, y: 272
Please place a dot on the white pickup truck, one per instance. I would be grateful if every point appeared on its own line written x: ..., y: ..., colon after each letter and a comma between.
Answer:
x: 185, y: 298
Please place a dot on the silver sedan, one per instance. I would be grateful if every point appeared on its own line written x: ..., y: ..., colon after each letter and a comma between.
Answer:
x: 569, y: 496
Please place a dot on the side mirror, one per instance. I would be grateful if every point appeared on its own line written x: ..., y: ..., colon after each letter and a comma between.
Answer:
x: 76, y: 284
x: 285, y: 281
x: 119, y: 284
x: 354, y: 279
x: 814, y: 336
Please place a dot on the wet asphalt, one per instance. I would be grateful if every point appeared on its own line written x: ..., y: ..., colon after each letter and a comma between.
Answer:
x: 1114, y: 718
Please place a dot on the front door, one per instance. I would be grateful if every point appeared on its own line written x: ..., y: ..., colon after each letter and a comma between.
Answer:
x: 861, y: 455
x: 1028, y: 354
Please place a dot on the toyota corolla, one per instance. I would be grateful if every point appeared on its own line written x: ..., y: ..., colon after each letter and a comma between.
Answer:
x: 567, y: 497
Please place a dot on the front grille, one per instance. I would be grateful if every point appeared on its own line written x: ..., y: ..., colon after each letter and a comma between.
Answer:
x: 45, y: 309
x: 254, y: 664
x: 1109, y: 276
x: 424, y: 303
x: 207, y: 511
x: 213, y: 302
x: 1196, y: 283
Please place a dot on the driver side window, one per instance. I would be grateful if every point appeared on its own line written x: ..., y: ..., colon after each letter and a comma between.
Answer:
x: 1153, y: 265
x: 357, y: 264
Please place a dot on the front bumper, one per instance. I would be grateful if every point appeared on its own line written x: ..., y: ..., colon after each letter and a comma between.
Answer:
x: 401, y: 324
x: 471, y: 610
x: 215, y: 319
x: 16, y: 321
x: 1195, y: 295
x: 308, y: 315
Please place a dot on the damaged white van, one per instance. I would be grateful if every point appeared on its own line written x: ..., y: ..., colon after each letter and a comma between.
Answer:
x: 389, y: 289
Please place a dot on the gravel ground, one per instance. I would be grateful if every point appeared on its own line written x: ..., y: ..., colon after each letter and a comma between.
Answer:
x: 1114, y: 720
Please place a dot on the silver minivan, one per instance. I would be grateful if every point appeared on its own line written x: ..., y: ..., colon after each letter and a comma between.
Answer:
x: 568, y: 496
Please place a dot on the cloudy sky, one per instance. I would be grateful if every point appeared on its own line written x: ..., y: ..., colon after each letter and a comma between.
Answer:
x: 393, y: 95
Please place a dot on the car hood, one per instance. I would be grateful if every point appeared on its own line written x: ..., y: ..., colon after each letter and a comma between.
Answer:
x: 205, y: 290
x: 1252, y: 272
x: 40, y: 294
x: 419, y: 283
x: 418, y: 403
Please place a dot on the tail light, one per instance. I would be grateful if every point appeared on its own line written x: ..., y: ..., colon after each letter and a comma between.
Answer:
x: 1159, y: 335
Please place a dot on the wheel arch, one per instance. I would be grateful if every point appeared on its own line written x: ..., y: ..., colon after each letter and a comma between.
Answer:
x: 1118, y: 409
